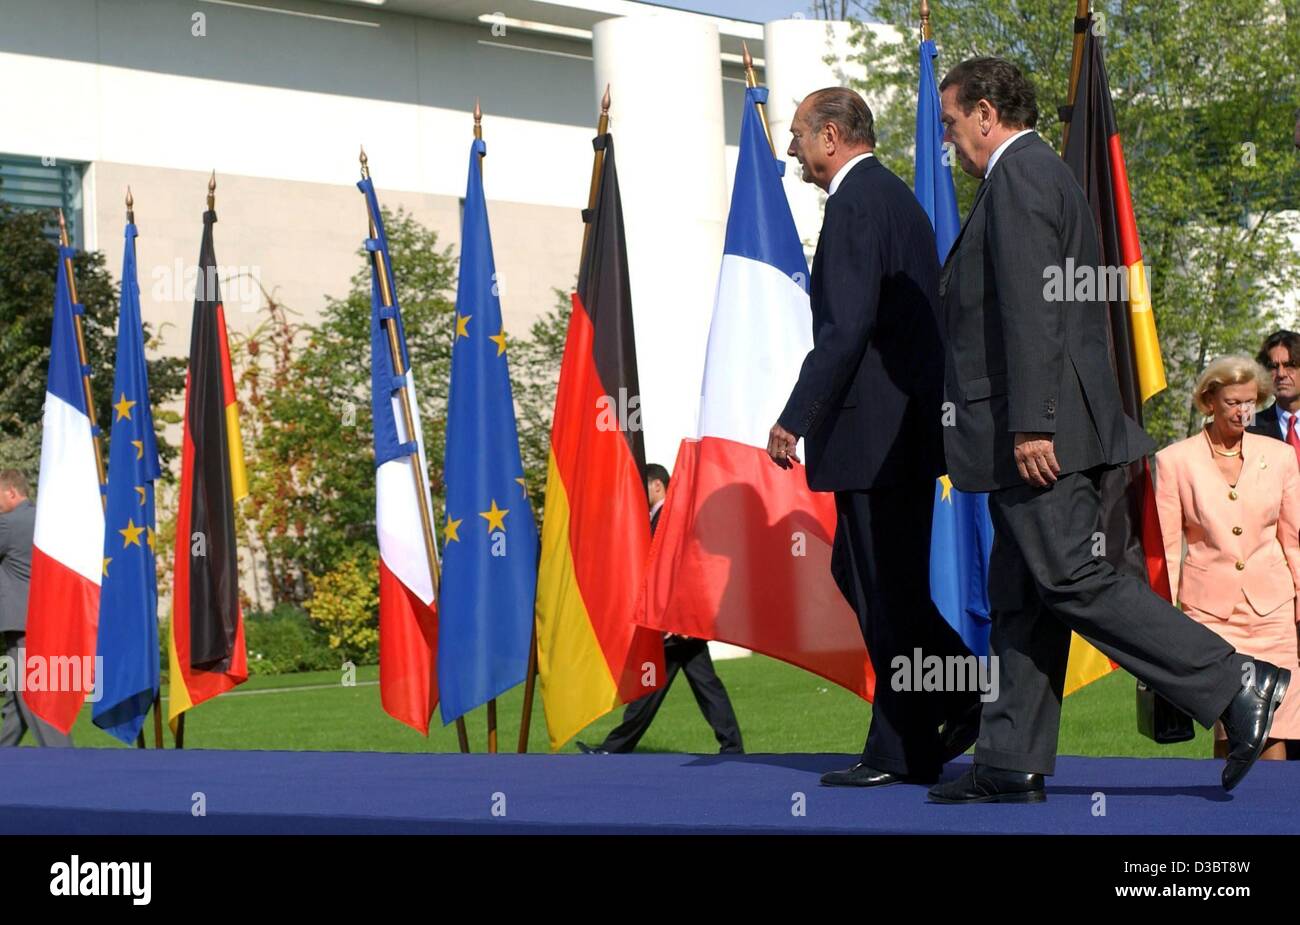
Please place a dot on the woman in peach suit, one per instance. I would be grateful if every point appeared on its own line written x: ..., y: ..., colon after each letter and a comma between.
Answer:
x: 1235, y: 498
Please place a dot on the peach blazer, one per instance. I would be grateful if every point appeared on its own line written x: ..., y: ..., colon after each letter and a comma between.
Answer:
x: 1242, y: 541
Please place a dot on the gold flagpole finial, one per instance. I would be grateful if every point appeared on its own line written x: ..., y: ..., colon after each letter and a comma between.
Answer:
x: 130, y: 207
x: 63, y: 229
x: 212, y: 191
x: 478, y: 119
x: 751, y: 81
x: 365, y: 164
x: 925, y: 20
x: 604, y: 103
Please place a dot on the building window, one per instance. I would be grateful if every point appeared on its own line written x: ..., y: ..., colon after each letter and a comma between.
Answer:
x: 45, y: 183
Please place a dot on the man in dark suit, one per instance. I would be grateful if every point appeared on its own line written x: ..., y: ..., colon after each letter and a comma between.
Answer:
x: 681, y: 653
x: 867, y: 406
x: 17, y: 525
x: 1280, y: 355
x: 1036, y: 421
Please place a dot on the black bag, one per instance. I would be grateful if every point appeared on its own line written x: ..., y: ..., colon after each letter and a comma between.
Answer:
x: 1161, y: 721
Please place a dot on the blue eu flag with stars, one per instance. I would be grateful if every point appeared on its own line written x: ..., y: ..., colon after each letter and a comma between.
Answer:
x: 489, y: 575
x: 128, y: 597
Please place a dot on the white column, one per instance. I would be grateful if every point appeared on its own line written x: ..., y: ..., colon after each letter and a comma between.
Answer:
x: 795, y: 52
x: 665, y: 76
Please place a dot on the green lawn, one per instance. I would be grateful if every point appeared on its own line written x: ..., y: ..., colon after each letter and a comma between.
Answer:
x: 781, y: 709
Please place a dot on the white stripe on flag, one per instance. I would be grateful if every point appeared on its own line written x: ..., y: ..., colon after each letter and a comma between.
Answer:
x: 69, y: 512
x: 397, y: 510
x: 761, y: 332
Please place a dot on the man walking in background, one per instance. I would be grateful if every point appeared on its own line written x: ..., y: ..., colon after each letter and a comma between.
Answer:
x: 17, y: 524
x: 681, y: 653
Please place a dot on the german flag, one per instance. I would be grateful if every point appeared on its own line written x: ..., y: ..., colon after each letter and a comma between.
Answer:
x: 1096, y: 155
x: 596, y: 532
x: 207, y: 654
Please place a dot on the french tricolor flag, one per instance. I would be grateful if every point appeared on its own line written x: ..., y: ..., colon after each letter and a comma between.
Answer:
x: 408, y: 611
x: 742, y: 551
x: 68, y: 554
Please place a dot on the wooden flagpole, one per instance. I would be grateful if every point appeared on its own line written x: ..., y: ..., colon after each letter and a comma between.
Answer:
x: 1076, y: 64
x: 491, y: 704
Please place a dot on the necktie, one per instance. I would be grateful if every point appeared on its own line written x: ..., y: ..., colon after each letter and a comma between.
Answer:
x: 1292, y: 437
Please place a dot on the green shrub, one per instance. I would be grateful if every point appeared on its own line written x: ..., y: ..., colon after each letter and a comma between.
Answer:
x: 285, y: 640
x: 345, y: 605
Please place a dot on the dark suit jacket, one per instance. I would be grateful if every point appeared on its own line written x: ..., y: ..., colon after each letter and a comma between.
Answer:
x: 1017, y: 360
x: 868, y: 396
x: 16, y: 530
x: 1266, y: 423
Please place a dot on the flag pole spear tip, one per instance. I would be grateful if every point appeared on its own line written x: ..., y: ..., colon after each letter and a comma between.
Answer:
x: 130, y: 206
x: 478, y: 119
x: 925, y: 20
x: 63, y: 225
x: 365, y: 164
x: 212, y: 191
x: 604, y: 102
x: 746, y: 57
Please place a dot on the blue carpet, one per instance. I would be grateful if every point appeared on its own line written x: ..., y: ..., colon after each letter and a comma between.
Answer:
x: 127, y: 791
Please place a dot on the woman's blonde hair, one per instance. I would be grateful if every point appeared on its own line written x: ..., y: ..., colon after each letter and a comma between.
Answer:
x: 1231, y: 370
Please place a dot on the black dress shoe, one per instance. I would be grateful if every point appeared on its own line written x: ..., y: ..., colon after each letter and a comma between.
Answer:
x: 984, y: 784
x: 591, y: 749
x: 1249, y: 717
x: 863, y: 775
x: 960, y: 732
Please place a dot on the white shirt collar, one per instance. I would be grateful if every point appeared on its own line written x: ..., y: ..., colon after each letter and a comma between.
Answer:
x: 997, y: 153
x: 1283, y: 420
x: 844, y: 172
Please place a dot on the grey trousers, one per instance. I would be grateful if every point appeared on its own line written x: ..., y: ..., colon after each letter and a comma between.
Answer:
x: 15, y: 716
x: 1046, y: 580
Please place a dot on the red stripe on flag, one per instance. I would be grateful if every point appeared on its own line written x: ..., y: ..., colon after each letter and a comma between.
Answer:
x: 63, y: 616
x: 742, y: 555
x: 1153, y: 543
x: 1130, y: 249
x: 227, y: 375
x: 408, y: 643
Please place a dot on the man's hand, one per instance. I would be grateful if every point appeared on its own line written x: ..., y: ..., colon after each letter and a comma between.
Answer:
x: 1036, y: 459
x: 780, y: 446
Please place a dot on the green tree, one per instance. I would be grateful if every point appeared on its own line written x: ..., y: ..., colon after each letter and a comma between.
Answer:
x: 310, y: 433
x: 28, y: 270
x: 534, y: 376
x: 1204, y: 94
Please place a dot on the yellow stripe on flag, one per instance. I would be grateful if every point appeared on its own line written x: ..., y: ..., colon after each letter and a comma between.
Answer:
x: 178, y: 695
x: 238, y: 475
x: 1086, y: 664
x: 577, y: 686
x: 1146, y: 345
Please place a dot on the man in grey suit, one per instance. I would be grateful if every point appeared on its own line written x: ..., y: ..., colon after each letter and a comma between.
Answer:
x: 1035, y: 420
x: 17, y: 524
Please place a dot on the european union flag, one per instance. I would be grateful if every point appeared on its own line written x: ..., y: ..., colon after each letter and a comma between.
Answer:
x: 128, y: 598
x: 962, y: 537
x: 489, y: 577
